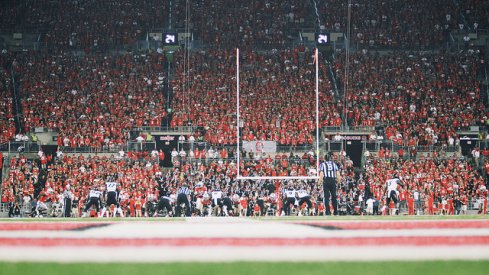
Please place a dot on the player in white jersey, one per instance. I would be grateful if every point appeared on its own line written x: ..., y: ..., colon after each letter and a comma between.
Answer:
x: 216, y: 196
x: 304, y: 197
x: 93, y: 199
x: 289, y: 198
x: 112, y: 196
x: 227, y: 204
x: 392, y: 193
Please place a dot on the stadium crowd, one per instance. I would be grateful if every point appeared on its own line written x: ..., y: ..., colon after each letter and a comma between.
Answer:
x: 417, y: 97
x: 94, y: 25
x: 277, y: 96
x: 27, y: 181
x: 93, y: 100
x: 83, y: 24
x: 392, y: 24
x: 476, y: 13
x: 228, y: 24
x: 420, y: 98
x: 7, y: 124
x: 436, y: 182
x: 8, y: 15
x: 431, y: 185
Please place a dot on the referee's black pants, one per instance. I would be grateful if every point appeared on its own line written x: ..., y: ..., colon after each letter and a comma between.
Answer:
x: 67, y: 204
x: 329, y: 189
x: 182, y: 199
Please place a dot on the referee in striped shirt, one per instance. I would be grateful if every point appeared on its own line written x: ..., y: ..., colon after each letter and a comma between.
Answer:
x: 329, y: 174
x: 183, y: 198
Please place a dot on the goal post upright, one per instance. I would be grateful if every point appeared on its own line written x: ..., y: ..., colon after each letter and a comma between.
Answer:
x: 238, y: 151
x: 238, y: 124
x: 316, y: 58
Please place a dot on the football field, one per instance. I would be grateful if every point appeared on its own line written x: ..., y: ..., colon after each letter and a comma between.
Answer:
x: 276, y: 245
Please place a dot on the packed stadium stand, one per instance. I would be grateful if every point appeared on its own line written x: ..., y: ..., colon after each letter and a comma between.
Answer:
x: 230, y: 24
x: 277, y: 97
x: 93, y: 25
x: 6, y: 102
x: 93, y: 89
x: 392, y: 24
x: 426, y: 97
x: 92, y: 100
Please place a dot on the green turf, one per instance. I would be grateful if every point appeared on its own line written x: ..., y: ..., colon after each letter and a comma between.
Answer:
x: 254, y: 268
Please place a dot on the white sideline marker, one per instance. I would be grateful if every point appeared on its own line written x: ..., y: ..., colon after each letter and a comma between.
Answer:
x: 238, y: 150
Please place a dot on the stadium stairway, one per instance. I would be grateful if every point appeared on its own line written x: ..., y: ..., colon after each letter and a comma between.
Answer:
x: 17, y: 106
x: 3, y: 174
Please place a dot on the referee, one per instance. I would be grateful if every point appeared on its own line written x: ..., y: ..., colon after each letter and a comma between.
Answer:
x: 68, y: 198
x: 183, y: 198
x: 329, y: 173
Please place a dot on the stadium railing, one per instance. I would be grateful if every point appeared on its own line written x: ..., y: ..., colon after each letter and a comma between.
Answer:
x: 4, y: 210
x: 343, y: 128
x: 20, y: 147
x: 331, y: 146
x: 132, y: 146
x: 152, y: 129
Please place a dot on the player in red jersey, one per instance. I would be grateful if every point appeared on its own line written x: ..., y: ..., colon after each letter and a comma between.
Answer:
x: 200, y: 190
x: 256, y: 210
x: 430, y: 202
x: 483, y: 195
x: 321, y: 209
x: 41, y: 207
x: 243, y: 206
x: 450, y: 206
x: 206, y: 204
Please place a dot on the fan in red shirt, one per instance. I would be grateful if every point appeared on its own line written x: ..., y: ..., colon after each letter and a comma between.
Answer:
x: 243, y: 206
x: 161, y: 157
x: 486, y: 167
x: 256, y: 210
x: 410, y: 204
